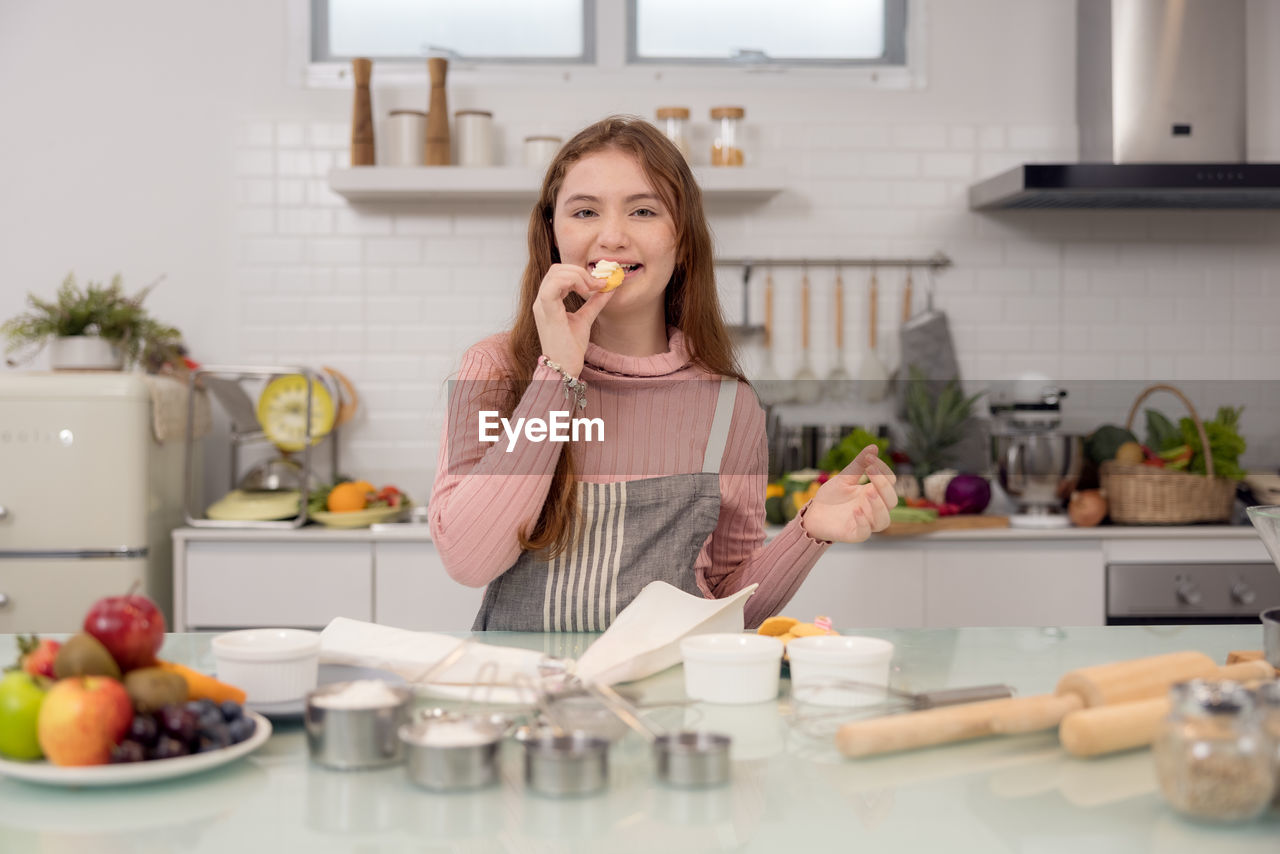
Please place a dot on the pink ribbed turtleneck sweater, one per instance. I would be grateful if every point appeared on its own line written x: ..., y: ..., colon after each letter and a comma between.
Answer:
x: 657, y: 412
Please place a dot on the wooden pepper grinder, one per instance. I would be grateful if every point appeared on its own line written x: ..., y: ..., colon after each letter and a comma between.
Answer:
x: 437, y: 115
x: 362, y: 146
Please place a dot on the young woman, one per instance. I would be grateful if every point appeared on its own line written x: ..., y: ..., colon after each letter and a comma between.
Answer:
x: 565, y: 534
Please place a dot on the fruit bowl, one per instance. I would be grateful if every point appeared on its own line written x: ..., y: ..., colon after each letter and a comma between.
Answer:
x: 360, y: 518
x: 129, y: 773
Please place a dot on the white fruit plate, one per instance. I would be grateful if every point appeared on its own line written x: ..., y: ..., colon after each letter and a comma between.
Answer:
x: 128, y: 773
x: 360, y: 518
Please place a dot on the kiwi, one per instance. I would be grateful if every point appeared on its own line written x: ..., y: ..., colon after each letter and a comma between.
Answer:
x: 152, y: 687
x: 84, y: 655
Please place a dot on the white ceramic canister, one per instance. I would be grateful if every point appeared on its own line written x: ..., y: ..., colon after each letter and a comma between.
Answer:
x: 731, y: 668
x: 539, y: 151
x: 406, y: 138
x: 821, y: 662
x: 473, y: 130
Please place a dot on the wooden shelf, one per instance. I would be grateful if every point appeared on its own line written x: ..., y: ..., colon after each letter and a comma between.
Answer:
x: 515, y: 183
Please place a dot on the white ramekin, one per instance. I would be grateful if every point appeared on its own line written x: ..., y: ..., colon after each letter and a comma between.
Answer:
x: 731, y: 668
x: 820, y: 662
x: 269, y: 665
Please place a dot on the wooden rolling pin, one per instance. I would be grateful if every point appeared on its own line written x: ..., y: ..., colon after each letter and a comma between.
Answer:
x: 1118, y: 682
x: 1102, y: 685
x: 1109, y: 729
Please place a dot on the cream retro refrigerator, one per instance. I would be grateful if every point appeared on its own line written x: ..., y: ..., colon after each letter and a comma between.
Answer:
x: 88, y: 497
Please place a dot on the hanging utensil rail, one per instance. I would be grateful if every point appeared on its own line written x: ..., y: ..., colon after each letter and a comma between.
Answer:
x: 936, y: 261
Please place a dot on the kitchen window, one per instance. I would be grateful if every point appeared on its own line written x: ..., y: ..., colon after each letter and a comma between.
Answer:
x: 832, y: 44
x: 505, y: 31
x: 765, y: 32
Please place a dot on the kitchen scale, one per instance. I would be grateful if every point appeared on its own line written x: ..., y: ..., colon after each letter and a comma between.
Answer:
x: 274, y: 493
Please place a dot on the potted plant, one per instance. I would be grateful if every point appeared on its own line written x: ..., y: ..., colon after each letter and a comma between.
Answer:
x: 99, y: 328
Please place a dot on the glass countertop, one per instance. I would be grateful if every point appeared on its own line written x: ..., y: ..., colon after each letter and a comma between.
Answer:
x: 790, y: 789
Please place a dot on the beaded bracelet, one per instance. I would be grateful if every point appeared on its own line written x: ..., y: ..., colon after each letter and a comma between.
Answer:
x: 574, y: 388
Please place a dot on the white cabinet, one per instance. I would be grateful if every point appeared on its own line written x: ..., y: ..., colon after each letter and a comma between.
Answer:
x: 1048, y: 583
x: 230, y: 583
x: 226, y: 578
x: 864, y: 586
x: 413, y: 591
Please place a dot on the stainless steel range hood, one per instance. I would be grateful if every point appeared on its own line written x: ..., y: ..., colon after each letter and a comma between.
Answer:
x: 1160, y: 97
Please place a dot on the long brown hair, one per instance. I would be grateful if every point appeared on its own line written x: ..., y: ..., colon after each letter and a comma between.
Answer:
x: 691, y: 302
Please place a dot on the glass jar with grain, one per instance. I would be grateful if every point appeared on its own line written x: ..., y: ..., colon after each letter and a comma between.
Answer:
x: 674, y: 122
x: 727, y: 146
x: 1269, y: 701
x: 1213, y: 760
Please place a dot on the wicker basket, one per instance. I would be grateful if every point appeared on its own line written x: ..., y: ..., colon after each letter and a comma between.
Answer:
x: 1146, y: 495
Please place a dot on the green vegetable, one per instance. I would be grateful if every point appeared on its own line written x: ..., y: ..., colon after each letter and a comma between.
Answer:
x: 1162, y: 434
x: 773, y: 510
x: 912, y: 514
x: 1102, y: 444
x: 843, y: 452
x: 1224, y: 440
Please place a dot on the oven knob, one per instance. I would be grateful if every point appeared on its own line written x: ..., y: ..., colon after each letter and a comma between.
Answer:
x: 1242, y: 593
x: 1187, y: 593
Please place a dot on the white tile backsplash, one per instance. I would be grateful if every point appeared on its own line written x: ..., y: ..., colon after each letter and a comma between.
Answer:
x: 1079, y: 296
x: 267, y: 264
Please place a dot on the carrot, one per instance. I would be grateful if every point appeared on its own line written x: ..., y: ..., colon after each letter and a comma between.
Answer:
x: 201, y: 686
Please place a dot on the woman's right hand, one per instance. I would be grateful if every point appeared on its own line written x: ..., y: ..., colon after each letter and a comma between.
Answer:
x: 564, y: 334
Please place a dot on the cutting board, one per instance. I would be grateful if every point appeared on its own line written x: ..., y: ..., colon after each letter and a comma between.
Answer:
x: 962, y: 522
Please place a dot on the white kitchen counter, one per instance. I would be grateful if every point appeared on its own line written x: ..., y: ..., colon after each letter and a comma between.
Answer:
x: 989, y: 577
x: 418, y: 533
x: 406, y: 532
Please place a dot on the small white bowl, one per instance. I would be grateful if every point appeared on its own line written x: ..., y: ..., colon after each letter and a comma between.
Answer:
x: 269, y: 665
x: 820, y: 662
x: 731, y: 668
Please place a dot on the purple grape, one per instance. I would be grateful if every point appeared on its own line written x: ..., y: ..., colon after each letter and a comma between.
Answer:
x: 231, y: 710
x: 128, y: 751
x: 179, y: 722
x: 143, y: 730
x: 169, y: 748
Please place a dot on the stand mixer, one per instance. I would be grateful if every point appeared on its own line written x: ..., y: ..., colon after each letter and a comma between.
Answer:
x: 1038, y: 466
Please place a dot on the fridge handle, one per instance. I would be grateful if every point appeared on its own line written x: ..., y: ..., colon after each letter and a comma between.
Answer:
x: 4, y: 600
x: 4, y: 512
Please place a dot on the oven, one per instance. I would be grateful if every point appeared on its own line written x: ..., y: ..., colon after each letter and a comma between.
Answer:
x: 1190, y: 593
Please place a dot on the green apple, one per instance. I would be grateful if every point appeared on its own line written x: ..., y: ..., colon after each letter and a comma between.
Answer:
x: 20, y: 699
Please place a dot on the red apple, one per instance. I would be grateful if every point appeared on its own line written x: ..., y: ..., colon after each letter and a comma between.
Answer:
x: 82, y: 718
x: 130, y: 627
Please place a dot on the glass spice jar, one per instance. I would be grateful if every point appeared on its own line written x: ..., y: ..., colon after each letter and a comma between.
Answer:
x: 1212, y: 760
x: 726, y: 149
x: 1269, y: 702
x: 674, y: 122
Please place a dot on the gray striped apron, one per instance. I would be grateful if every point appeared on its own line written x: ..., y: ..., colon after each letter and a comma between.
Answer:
x: 630, y: 533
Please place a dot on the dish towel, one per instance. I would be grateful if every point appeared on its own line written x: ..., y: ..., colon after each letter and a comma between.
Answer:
x: 643, y: 640
x: 169, y: 409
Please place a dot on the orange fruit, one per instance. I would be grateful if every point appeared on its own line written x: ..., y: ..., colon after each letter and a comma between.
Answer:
x: 365, y: 485
x: 347, y: 497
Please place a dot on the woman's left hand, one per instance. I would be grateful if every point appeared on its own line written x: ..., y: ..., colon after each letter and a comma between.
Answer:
x: 848, y: 511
